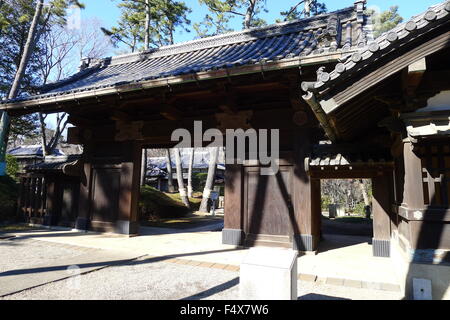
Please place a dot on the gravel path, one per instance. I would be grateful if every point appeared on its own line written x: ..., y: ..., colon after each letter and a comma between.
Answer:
x: 140, y: 279
x: 147, y: 280
x: 23, y: 253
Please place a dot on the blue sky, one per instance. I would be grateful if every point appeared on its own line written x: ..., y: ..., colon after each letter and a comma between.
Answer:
x: 108, y: 13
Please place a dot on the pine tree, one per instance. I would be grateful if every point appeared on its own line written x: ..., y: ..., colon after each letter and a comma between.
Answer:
x: 385, y: 20
x: 145, y: 24
x: 303, y: 9
x: 222, y: 11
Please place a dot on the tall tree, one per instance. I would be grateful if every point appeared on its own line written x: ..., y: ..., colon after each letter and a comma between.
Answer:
x: 144, y: 167
x: 148, y: 23
x: 169, y: 172
x: 62, y: 46
x: 209, y: 185
x: 191, y: 165
x: 303, y: 9
x: 181, y: 188
x: 386, y: 20
x: 4, y: 121
x: 54, y: 12
x: 222, y: 11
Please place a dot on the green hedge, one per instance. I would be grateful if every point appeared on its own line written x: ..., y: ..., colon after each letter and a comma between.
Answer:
x: 199, y: 181
x: 12, y: 166
x: 155, y: 204
x: 8, y: 199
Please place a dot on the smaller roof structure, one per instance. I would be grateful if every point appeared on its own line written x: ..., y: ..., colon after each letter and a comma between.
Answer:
x: 346, y: 158
x: 54, y: 164
x: 201, y: 161
x: 31, y: 151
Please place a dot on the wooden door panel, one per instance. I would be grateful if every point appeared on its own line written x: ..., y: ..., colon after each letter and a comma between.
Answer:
x: 105, y: 198
x: 267, y: 202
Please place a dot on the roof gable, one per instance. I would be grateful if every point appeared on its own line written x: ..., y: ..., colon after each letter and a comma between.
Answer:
x: 337, y: 31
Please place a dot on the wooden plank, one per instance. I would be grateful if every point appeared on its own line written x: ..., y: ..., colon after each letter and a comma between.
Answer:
x: 382, y: 200
x: 234, y: 196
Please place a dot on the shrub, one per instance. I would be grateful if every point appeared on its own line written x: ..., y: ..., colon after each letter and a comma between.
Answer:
x: 199, y: 180
x: 12, y: 166
x: 8, y: 199
x: 155, y: 204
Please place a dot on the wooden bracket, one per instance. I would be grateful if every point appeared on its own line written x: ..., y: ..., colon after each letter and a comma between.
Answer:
x: 240, y: 120
x: 412, y: 78
x: 126, y: 131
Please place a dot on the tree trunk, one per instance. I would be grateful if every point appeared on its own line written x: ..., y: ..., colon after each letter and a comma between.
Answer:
x: 364, y: 192
x: 181, y: 188
x: 308, y: 8
x: 169, y: 172
x: 213, y: 155
x: 147, y: 25
x: 249, y: 14
x: 367, y: 209
x: 191, y: 165
x: 43, y: 135
x: 5, y: 122
x: 144, y: 167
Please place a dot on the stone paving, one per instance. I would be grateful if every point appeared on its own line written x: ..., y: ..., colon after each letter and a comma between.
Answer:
x: 45, y: 256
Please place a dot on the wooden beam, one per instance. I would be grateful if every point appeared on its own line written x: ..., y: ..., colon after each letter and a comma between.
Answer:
x: 171, y: 113
x: 412, y: 78
x: 118, y: 115
x: 80, y: 121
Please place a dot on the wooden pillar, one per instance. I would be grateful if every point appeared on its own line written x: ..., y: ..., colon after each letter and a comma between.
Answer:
x: 382, y: 200
x: 20, y: 200
x: 413, y: 185
x: 306, y: 198
x: 233, y: 232
x: 83, y: 218
x: 128, y: 219
x: 109, y: 188
x: 53, y: 201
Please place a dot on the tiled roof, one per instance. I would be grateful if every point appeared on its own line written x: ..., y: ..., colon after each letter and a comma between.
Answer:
x: 333, y: 32
x: 30, y: 151
x: 56, y: 163
x: 327, y: 154
x: 384, y: 44
x: 201, y: 161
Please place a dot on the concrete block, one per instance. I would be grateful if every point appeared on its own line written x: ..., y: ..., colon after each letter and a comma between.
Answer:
x: 335, y: 281
x: 269, y: 274
x: 352, y: 283
x: 422, y: 289
x: 307, y: 277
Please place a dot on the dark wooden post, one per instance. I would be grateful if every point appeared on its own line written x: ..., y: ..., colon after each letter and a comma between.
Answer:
x: 82, y: 221
x: 109, y: 188
x: 413, y: 188
x: 306, y: 198
x: 128, y: 219
x: 382, y: 201
x: 233, y: 232
x: 53, y: 201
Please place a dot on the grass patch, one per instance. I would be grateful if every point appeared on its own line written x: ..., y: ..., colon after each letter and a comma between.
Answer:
x: 16, y: 227
x: 181, y: 223
x: 350, y: 219
x: 156, y: 205
x: 195, y: 202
